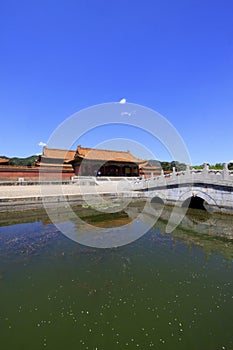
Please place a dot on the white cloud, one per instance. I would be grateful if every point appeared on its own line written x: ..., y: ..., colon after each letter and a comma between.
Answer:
x: 128, y: 113
x: 122, y: 101
x: 41, y: 144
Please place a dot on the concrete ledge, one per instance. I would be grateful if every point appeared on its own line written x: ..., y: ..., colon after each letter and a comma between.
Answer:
x: 38, y: 202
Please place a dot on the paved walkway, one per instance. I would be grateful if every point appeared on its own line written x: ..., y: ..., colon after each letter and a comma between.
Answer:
x: 56, y: 190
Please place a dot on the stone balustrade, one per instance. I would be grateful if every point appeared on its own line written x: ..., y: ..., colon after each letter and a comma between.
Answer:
x: 205, y: 176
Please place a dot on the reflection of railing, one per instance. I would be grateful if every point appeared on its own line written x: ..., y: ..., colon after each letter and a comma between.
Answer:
x: 205, y: 175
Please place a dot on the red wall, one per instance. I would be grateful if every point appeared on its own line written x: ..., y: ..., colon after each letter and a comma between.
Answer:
x: 32, y: 174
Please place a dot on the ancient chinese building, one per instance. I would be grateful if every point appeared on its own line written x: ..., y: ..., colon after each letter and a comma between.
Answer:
x: 52, y: 165
x: 92, y: 162
x: 4, y: 161
x: 57, y: 164
x: 55, y: 158
x: 147, y: 169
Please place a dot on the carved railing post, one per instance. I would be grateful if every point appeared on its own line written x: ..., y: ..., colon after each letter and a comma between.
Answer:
x: 205, y: 170
x: 173, y: 172
x: 225, y: 171
x: 187, y: 172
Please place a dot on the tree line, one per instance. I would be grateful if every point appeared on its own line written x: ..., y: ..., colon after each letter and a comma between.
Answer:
x: 168, y: 166
x: 16, y: 161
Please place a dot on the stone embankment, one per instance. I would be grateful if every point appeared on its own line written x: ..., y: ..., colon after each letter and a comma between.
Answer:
x: 21, y: 197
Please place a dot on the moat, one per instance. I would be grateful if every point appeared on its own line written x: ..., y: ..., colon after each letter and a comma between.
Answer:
x: 163, y: 291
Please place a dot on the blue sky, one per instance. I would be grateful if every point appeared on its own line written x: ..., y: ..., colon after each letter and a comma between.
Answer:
x: 176, y: 57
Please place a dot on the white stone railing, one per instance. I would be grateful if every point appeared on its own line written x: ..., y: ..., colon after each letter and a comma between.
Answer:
x: 205, y: 175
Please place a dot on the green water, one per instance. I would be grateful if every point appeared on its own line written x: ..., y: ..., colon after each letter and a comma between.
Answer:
x: 162, y: 291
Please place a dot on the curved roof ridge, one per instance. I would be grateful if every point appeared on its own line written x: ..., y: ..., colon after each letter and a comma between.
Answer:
x: 107, y: 155
x: 102, y: 149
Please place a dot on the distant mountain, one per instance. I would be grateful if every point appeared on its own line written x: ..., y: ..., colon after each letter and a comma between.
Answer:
x: 28, y: 161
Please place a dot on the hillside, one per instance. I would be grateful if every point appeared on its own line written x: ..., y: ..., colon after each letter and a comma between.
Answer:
x: 28, y: 161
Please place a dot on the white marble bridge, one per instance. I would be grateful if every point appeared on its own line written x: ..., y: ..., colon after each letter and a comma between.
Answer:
x: 211, y: 188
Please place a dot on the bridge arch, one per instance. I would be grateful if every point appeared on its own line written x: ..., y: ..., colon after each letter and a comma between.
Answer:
x: 157, y: 200
x: 206, y: 198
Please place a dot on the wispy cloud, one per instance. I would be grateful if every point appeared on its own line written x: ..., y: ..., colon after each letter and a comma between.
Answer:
x: 128, y: 113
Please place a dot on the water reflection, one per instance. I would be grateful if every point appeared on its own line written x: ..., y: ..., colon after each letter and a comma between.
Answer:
x: 212, y: 232
x: 198, y: 215
x: 157, y: 292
